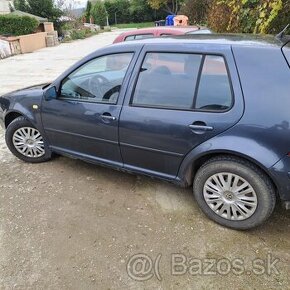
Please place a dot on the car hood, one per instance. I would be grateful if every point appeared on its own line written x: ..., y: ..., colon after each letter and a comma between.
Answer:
x: 29, y: 91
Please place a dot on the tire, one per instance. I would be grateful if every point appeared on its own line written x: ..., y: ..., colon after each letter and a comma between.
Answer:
x: 234, y: 193
x: 17, y: 139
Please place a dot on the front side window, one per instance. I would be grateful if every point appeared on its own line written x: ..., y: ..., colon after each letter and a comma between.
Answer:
x: 167, y: 80
x: 99, y: 80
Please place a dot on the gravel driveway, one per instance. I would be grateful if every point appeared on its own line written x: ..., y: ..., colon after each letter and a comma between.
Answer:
x: 66, y: 224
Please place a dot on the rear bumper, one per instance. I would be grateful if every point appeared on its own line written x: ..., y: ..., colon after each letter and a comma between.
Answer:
x: 280, y: 173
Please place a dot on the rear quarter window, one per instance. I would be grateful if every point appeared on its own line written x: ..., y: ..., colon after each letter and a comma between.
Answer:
x: 214, y: 92
x: 286, y: 52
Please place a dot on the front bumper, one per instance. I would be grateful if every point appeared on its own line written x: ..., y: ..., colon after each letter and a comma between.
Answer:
x: 2, y: 124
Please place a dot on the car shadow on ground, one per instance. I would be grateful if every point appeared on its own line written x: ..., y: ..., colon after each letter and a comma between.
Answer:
x: 279, y: 222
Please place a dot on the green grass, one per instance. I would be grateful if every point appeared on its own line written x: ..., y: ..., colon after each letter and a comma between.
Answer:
x: 135, y: 25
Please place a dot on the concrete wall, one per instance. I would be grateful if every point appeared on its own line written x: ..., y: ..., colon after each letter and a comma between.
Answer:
x: 5, y: 50
x: 48, y: 26
x: 32, y: 42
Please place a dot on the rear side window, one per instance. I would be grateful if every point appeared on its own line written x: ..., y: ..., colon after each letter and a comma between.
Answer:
x: 139, y: 36
x: 214, y: 91
x: 167, y: 80
x: 286, y: 52
x: 130, y: 37
x: 183, y: 81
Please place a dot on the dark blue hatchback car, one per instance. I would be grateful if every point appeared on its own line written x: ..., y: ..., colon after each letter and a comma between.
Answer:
x: 212, y: 111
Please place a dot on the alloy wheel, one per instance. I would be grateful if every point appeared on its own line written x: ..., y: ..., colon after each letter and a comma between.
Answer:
x: 29, y: 142
x: 230, y: 196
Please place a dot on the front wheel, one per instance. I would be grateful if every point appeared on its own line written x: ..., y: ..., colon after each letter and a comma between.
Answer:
x: 26, y: 142
x: 234, y: 193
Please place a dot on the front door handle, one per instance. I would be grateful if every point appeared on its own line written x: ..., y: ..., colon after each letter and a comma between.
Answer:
x: 108, y: 117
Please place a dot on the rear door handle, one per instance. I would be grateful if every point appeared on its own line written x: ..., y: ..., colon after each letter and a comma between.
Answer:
x: 201, y: 127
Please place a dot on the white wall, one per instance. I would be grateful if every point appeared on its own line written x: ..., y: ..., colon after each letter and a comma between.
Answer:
x: 4, y: 49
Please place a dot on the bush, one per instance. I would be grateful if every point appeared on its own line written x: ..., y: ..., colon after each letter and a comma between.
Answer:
x: 75, y: 34
x: 78, y: 34
x: 17, y: 25
x: 196, y: 10
x: 281, y: 20
x: 249, y: 16
x: 219, y: 17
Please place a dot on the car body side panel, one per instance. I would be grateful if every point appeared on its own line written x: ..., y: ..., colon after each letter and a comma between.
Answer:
x: 26, y: 102
x: 263, y: 133
x: 281, y: 174
x: 265, y: 78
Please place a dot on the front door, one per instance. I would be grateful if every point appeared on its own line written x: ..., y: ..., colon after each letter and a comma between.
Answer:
x: 83, y: 120
x: 177, y: 101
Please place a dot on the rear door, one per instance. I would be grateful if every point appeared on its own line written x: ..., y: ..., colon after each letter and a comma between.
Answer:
x: 180, y: 96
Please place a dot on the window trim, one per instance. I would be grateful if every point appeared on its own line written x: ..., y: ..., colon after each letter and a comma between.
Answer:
x: 59, y: 97
x: 203, y: 55
x: 134, y: 35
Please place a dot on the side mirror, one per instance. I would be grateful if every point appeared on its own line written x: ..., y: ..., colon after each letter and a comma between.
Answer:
x: 50, y: 94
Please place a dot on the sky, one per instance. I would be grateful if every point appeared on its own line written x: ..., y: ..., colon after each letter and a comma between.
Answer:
x: 81, y: 3
x: 77, y: 3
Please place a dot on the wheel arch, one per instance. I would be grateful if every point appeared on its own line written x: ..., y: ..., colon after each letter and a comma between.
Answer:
x: 190, y: 171
x: 11, y: 116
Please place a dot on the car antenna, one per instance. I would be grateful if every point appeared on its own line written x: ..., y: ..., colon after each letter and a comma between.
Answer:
x: 281, y: 34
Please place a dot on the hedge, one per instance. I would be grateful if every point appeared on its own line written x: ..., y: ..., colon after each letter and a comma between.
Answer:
x: 17, y: 25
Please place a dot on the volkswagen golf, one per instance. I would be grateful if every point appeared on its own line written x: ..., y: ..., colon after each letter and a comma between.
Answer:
x: 207, y: 111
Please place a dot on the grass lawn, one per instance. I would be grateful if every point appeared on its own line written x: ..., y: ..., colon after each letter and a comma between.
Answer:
x: 135, y: 25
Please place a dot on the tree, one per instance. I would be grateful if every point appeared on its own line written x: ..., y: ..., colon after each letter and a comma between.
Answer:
x: 88, y: 11
x: 42, y: 8
x: 118, y: 8
x: 67, y: 7
x: 140, y: 11
x: 170, y: 6
x: 21, y: 5
x: 99, y: 13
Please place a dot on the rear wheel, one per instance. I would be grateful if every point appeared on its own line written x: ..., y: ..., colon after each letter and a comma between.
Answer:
x: 234, y: 193
x: 26, y: 142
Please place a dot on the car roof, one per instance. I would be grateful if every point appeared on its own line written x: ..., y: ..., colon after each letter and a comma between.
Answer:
x: 163, y: 28
x: 216, y: 39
